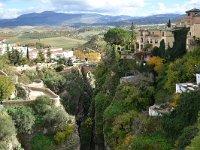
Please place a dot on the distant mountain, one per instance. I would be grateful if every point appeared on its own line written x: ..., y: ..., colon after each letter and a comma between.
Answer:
x: 154, y: 19
x: 50, y: 18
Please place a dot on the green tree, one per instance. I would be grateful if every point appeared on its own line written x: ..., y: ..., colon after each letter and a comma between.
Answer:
x: 8, y: 53
x: 186, y: 114
x: 15, y: 56
x: 160, y: 51
x: 86, y: 131
x: 169, y: 24
x: 61, y: 61
x: 101, y: 103
x: 40, y: 58
x: 55, y: 119
x: 69, y: 62
x: 182, y: 70
x: 23, y: 118
x: 194, y: 144
x: 179, y: 47
x: 7, y: 127
x: 49, y: 55
x: 4, y: 62
x: 42, y: 105
x: 133, y: 33
x: 185, y: 138
x: 6, y: 87
x: 24, y: 61
x: 27, y: 53
x: 117, y: 36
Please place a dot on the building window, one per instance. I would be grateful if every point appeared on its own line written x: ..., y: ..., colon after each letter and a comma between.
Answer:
x: 156, y: 41
x: 148, y: 41
x: 152, y: 33
x: 142, y: 40
x: 151, y: 41
x: 190, y: 33
x: 188, y: 14
x: 163, y: 33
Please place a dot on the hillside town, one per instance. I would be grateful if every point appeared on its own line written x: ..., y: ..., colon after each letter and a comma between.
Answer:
x: 134, y: 87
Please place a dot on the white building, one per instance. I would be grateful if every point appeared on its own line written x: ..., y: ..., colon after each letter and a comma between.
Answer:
x: 187, y: 87
x: 56, y: 53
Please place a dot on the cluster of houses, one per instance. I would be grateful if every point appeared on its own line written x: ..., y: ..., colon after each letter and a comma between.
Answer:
x: 56, y: 53
x: 154, y: 35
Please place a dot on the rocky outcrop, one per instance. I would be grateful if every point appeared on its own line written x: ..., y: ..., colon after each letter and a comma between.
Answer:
x: 10, y: 144
x: 91, y: 79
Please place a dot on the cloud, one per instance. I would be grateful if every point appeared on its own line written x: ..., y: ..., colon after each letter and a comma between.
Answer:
x: 7, y: 13
x: 194, y: 2
x: 13, y: 8
x: 117, y: 7
x: 179, y: 6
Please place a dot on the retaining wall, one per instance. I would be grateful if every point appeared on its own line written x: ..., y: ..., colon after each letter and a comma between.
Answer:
x: 46, y: 91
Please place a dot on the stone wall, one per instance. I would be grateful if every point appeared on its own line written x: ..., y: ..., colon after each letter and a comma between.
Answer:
x: 17, y: 102
x: 46, y: 91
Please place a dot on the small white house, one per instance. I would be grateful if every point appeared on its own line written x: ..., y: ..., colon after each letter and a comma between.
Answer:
x: 187, y: 87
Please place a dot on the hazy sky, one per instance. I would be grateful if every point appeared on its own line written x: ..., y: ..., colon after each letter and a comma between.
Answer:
x: 14, y: 8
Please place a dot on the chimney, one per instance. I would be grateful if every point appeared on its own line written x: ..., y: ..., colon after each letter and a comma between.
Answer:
x: 198, y: 79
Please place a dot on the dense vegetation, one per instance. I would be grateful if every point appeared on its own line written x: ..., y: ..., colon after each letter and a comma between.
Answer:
x: 117, y: 116
x: 44, y: 123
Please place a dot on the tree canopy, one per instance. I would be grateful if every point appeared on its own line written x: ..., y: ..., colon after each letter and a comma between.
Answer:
x: 117, y: 36
x: 23, y: 117
x: 7, y: 128
x: 6, y: 87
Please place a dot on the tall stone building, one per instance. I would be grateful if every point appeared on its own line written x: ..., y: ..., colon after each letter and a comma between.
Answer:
x: 193, y: 21
x: 155, y: 35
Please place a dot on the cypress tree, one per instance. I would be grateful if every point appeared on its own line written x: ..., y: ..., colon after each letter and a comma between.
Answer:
x: 169, y: 24
x: 27, y: 54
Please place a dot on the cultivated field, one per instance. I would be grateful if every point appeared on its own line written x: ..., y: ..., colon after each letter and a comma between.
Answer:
x: 64, y: 42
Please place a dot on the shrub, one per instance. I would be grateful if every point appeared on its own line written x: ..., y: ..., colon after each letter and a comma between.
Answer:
x: 101, y: 103
x: 86, y: 130
x: 41, y: 142
x: 59, y: 68
x: 21, y: 92
x: 23, y: 118
x: 185, y: 138
x: 56, y: 119
x: 43, y: 104
x: 6, y: 87
x: 186, y: 114
x: 150, y: 142
x: 7, y: 127
x: 63, y: 135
